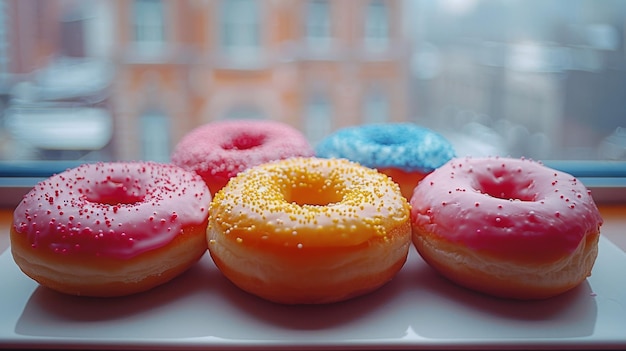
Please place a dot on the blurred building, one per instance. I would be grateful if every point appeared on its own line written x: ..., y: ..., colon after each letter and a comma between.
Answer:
x: 131, y: 77
x: 315, y: 64
x: 311, y: 63
x: 512, y: 78
x: 57, y: 103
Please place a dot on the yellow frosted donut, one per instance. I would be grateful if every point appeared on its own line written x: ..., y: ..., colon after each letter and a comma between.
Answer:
x: 309, y: 230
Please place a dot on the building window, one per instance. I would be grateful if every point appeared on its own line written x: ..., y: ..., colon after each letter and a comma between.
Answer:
x: 376, y: 27
x: 244, y: 111
x: 73, y: 32
x: 240, y: 35
x: 4, y: 42
x: 155, y: 136
x: 375, y: 106
x: 318, y: 24
x: 149, y: 25
x: 318, y: 118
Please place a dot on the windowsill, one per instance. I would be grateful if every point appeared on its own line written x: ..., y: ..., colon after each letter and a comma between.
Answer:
x: 18, y: 177
x: 605, y: 179
x: 156, y: 54
x: 257, y: 60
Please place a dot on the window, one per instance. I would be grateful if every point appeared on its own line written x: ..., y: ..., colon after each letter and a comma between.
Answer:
x: 244, y: 111
x: 376, y: 26
x: 495, y: 77
x: 375, y: 106
x: 155, y: 137
x: 318, y: 31
x: 149, y: 25
x: 73, y: 33
x: 240, y: 36
x: 318, y: 118
x: 4, y: 42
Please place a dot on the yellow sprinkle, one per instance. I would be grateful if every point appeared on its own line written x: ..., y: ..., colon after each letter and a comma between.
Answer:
x: 314, y: 201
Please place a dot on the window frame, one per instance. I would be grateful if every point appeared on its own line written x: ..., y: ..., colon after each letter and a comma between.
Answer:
x: 377, y: 26
x: 318, y: 116
x: 318, y: 25
x: 605, y: 179
x: 149, y: 32
x: 240, y: 38
x: 155, y: 125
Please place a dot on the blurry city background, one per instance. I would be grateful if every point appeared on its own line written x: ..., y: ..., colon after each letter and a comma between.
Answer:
x: 125, y: 80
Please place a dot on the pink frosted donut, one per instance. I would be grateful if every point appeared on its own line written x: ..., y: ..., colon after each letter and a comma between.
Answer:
x: 218, y: 151
x: 511, y: 228
x: 111, y: 229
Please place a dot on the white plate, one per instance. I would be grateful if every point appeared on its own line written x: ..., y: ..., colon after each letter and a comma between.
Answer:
x: 418, y: 309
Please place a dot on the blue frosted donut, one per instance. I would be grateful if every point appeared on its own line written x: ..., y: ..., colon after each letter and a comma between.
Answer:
x: 404, y: 151
x: 401, y: 145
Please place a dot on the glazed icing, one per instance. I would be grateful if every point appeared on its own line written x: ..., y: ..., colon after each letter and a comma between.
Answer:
x: 308, y: 202
x: 218, y: 151
x: 507, y: 207
x: 116, y: 210
x: 404, y: 146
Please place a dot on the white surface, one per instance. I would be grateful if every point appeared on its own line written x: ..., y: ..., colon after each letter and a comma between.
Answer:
x: 418, y: 309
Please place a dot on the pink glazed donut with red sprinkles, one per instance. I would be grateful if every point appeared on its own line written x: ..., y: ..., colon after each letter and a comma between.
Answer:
x: 218, y: 151
x: 111, y: 229
x: 511, y: 228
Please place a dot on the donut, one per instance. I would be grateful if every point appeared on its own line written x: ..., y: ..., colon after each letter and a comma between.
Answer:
x: 511, y: 228
x: 217, y: 151
x: 309, y: 230
x: 404, y: 151
x: 111, y: 229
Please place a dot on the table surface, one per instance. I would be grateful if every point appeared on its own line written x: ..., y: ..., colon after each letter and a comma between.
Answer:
x: 238, y: 309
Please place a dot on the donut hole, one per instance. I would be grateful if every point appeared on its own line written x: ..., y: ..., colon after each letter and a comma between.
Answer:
x: 244, y: 141
x: 386, y: 139
x: 313, y: 193
x: 114, y: 192
x: 507, y: 188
